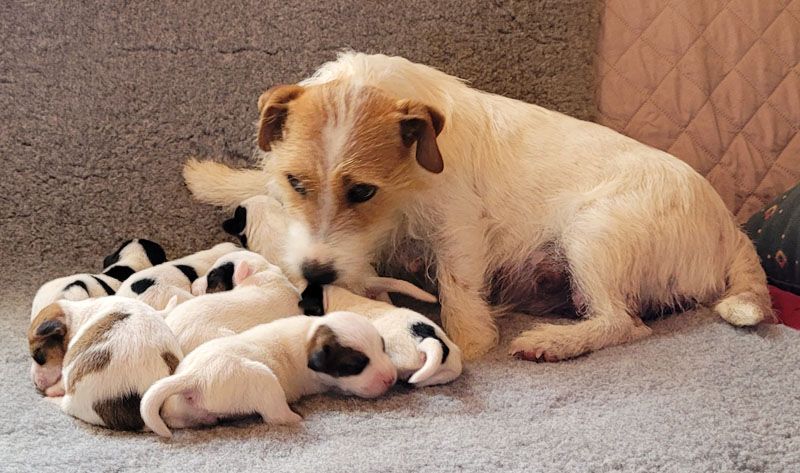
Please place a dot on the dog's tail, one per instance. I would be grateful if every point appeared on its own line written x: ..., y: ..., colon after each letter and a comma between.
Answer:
x: 154, y: 398
x: 218, y: 184
x: 377, y: 285
x: 746, y: 301
x: 432, y: 348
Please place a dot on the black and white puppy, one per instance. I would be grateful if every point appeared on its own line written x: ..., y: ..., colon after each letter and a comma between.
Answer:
x: 157, y: 285
x: 419, y: 349
x: 220, y: 277
x: 130, y: 257
x: 262, y: 370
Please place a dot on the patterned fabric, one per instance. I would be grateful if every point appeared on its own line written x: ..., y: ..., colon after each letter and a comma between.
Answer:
x: 775, y: 230
x: 714, y: 82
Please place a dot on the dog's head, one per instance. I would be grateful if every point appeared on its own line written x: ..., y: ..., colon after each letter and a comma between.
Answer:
x: 47, y: 339
x: 349, y: 353
x: 347, y: 160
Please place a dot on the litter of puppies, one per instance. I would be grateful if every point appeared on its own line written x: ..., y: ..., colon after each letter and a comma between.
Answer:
x: 156, y: 344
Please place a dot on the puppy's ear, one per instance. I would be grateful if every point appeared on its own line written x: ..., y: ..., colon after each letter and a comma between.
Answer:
x: 421, y: 124
x: 47, y: 331
x: 242, y: 271
x: 273, y: 108
x: 327, y: 355
x: 236, y: 224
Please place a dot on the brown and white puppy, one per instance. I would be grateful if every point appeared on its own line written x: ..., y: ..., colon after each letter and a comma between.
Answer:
x: 157, y: 285
x: 130, y: 257
x: 113, y: 349
x: 262, y: 370
x: 375, y: 150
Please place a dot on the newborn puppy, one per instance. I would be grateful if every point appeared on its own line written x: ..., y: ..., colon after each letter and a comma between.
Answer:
x: 265, y: 368
x: 55, y: 328
x: 157, y: 285
x: 131, y: 256
x: 258, y: 298
x: 123, y: 347
x: 421, y: 351
x: 220, y: 277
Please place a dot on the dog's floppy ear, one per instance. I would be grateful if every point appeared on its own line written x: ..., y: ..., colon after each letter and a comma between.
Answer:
x: 421, y: 124
x: 273, y: 107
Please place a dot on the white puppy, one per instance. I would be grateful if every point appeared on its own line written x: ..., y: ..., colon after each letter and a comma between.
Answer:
x: 419, y: 349
x: 131, y: 256
x: 267, y: 367
x: 113, y: 349
x: 157, y: 285
x: 220, y: 277
x: 374, y: 150
x: 258, y: 298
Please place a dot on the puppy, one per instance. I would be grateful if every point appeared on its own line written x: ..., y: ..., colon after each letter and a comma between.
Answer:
x: 220, y: 277
x: 265, y: 368
x: 419, y: 349
x: 372, y: 151
x: 157, y: 285
x: 131, y: 256
x: 258, y: 298
x: 111, y: 349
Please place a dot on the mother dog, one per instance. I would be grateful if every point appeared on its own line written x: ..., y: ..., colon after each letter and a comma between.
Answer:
x: 373, y: 150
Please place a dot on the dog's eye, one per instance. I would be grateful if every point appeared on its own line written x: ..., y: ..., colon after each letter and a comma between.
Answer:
x: 383, y: 342
x: 361, y: 193
x: 296, y: 184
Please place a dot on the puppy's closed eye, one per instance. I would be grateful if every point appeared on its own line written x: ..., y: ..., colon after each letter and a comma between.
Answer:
x: 327, y: 355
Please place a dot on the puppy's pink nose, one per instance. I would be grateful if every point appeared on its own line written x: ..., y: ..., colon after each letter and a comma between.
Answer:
x: 389, y: 380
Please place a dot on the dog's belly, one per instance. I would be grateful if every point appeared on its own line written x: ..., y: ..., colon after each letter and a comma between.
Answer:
x: 540, y: 285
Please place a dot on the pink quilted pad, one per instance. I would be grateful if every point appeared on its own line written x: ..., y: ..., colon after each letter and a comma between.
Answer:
x: 713, y: 82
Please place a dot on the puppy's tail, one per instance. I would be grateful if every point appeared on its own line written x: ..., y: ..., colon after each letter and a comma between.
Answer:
x: 154, y: 398
x: 432, y: 348
x: 746, y: 301
x: 218, y: 184
x: 377, y: 285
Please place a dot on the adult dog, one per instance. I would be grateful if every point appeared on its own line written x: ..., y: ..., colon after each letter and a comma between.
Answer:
x: 374, y: 150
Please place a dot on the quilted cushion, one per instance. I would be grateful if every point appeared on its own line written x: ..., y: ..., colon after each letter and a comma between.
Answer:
x: 775, y: 230
x: 713, y: 82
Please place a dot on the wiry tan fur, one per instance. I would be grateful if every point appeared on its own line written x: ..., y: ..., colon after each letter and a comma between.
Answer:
x: 635, y: 226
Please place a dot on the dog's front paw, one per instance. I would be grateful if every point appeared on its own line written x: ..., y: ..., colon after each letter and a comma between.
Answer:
x: 545, y: 344
x: 475, y: 343
x: 289, y: 418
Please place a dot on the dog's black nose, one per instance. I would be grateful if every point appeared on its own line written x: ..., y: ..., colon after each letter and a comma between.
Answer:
x: 316, y: 273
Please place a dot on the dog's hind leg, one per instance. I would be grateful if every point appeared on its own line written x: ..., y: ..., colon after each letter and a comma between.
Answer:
x: 266, y: 395
x: 604, y: 278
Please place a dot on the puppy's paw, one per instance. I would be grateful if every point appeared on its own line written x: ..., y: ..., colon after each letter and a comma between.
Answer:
x: 56, y: 390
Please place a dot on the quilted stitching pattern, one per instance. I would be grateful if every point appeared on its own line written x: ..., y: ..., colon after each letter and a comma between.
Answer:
x: 713, y: 82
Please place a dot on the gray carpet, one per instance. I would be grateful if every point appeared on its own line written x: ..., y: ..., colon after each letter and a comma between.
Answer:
x: 101, y: 102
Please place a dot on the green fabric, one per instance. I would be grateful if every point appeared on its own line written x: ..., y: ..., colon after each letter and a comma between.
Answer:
x: 775, y: 230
